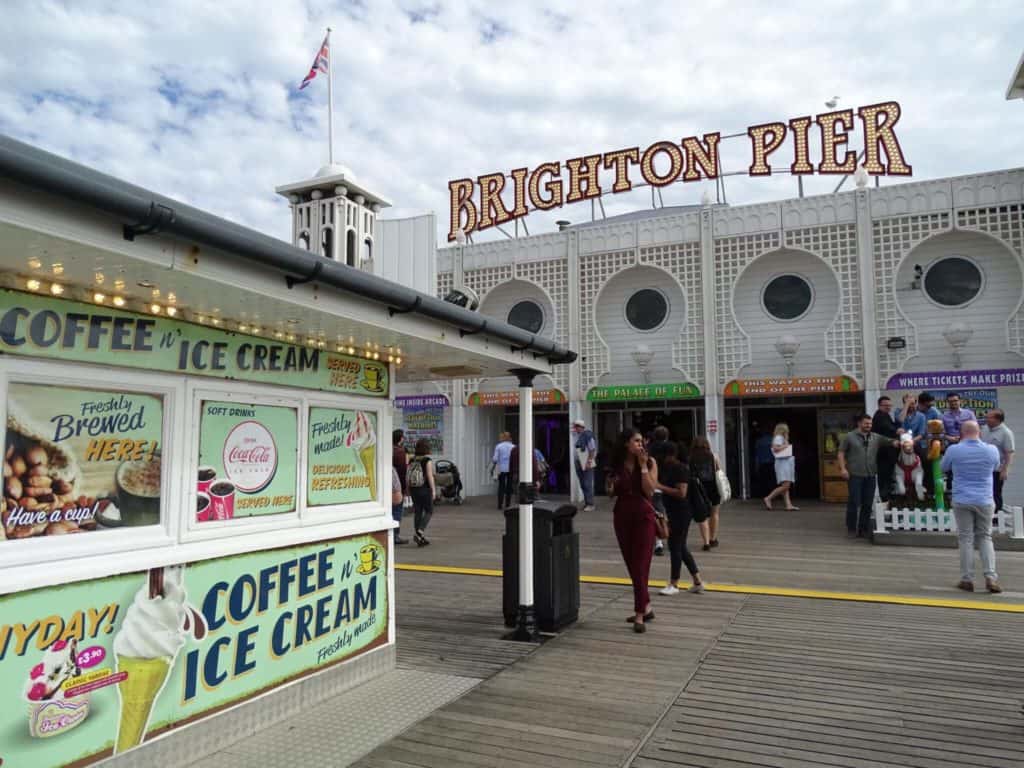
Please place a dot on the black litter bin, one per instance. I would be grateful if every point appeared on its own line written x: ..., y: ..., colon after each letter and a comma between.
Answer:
x: 556, y: 567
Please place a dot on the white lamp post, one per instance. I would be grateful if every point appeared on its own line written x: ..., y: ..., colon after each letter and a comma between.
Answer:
x: 957, y: 335
x: 787, y: 346
x: 642, y: 356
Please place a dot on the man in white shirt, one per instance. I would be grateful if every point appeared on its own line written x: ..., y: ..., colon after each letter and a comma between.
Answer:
x: 995, y: 432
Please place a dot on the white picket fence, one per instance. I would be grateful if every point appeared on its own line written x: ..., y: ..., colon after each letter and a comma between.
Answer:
x: 1009, y: 521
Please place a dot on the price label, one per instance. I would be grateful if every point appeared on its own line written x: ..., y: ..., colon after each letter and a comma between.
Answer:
x: 91, y: 656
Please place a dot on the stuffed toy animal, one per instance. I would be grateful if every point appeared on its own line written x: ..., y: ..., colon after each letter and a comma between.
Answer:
x: 908, y: 471
x: 936, y: 445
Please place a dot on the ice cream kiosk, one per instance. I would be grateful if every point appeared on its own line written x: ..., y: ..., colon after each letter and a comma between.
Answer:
x: 196, y: 518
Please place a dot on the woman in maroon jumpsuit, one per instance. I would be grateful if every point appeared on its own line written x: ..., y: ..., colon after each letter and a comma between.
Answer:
x: 633, y: 478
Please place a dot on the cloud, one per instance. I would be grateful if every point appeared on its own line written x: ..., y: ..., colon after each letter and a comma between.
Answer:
x: 200, y: 102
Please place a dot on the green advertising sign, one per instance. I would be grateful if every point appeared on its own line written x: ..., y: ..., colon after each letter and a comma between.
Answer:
x: 342, y: 457
x: 80, y: 460
x: 103, y: 665
x: 676, y: 391
x: 248, y: 460
x: 39, y: 326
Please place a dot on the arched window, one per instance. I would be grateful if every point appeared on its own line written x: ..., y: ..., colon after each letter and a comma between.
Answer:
x: 787, y: 297
x: 953, y: 281
x: 367, y: 249
x: 327, y: 242
x: 350, y: 248
x: 527, y: 315
x: 647, y: 309
x: 304, y: 240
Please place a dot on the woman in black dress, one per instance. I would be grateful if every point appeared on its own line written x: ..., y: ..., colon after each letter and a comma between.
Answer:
x: 703, y: 466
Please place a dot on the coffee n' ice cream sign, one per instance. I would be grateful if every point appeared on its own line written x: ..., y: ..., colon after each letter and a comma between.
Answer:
x: 495, y: 198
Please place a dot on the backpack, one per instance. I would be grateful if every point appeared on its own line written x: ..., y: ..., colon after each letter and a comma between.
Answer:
x: 417, y: 476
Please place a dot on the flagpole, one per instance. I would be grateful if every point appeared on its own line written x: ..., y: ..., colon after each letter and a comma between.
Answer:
x: 330, y: 100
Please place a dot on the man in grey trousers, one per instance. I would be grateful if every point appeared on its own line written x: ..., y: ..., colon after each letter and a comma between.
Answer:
x: 972, y: 463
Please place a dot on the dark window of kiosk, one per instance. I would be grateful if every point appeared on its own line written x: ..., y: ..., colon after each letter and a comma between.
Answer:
x: 952, y: 281
x: 646, y: 309
x: 527, y: 315
x: 787, y: 297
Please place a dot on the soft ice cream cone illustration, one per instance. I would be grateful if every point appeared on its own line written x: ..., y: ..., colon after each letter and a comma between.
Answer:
x: 369, y: 458
x: 146, y: 677
x: 363, y: 440
x: 145, y: 647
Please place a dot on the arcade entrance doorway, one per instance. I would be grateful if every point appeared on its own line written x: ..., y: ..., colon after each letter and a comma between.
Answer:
x: 817, y: 425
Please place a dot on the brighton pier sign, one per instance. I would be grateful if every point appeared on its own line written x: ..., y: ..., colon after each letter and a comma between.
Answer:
x: 479, y: 204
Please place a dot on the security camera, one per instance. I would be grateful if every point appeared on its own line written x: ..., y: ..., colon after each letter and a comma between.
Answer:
x: 464, y: 297
x: 915, y: 284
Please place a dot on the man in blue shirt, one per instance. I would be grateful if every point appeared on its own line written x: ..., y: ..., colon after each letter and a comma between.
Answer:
x: 584, y: 460
x: 926, y: 405
x: 954, y: 418
x: 501, y: 463
x: 972, y: 463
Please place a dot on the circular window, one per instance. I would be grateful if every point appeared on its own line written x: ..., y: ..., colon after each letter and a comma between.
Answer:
x: 953, y: 281
x: 527, y: 315
x: 646, y: 309
x: 787, y: 297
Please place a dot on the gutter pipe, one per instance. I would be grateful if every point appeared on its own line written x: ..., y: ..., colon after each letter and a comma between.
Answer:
x: 145, y: 212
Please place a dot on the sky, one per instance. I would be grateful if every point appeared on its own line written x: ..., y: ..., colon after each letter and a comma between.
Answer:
x: 199, y: 100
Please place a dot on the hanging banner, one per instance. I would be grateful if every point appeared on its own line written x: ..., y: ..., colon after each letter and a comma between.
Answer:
x: 805, y: 385
x: 422, y: 401
x: 39, y: 326
x: 540, y: 397
x: 423, y: 423
x: 342, y: 457
x: 248, y: 460
x: 80, y: 460
x: 1004, y: 377
x: 681, y: 390
x: 98, y: 667
x: 981, y: 401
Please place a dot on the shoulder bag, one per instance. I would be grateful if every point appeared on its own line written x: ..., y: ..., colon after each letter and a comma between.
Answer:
x: 722, y: 482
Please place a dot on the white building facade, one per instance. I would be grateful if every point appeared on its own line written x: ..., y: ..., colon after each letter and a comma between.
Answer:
x: 726, y: 320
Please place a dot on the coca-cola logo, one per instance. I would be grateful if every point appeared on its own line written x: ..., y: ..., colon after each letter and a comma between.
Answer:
x: 250, y: 456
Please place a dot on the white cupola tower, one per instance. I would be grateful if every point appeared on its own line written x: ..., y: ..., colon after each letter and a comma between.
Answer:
x: 334, y: 216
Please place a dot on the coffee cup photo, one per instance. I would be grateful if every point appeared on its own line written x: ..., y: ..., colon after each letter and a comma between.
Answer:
x: 138, y: 491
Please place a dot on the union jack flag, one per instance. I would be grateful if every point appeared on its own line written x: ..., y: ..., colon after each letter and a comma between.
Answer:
x: 320, y: 64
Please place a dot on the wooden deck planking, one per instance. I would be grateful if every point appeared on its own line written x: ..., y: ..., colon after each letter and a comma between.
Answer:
x: 729, y: 681
x: 805, y: 684
x: 576, y: 700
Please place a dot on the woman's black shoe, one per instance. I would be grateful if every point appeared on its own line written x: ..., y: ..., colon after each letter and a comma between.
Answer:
x: 706, y: 548
x: 714, y: 542
x: 649, y: 616
x: 639, y: 627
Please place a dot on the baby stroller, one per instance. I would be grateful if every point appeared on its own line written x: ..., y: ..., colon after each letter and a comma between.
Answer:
x: 449, y: 481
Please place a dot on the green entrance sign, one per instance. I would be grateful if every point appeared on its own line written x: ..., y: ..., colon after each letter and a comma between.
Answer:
x: 39, y: 326
x: 680, y: 390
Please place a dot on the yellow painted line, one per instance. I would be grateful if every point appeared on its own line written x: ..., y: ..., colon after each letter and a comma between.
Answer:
x: 446, y: 569
x: 745, y: 589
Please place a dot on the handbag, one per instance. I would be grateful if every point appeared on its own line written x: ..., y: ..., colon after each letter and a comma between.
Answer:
x: 700, y: 505
x: 722, y: 483
x: 407, y: 502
